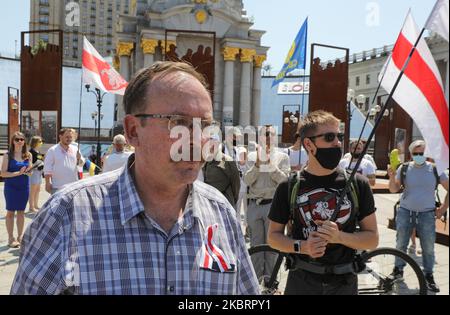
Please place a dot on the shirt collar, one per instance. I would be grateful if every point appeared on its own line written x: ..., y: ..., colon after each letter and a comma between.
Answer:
x: 131, y: 204
x: 129, y: 201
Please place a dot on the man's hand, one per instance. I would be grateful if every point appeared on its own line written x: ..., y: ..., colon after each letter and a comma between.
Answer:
x: 390, y: 171
x: 314, y: 246
x: 440, y: 212
x: 329, y: 231
x: 48, y: 187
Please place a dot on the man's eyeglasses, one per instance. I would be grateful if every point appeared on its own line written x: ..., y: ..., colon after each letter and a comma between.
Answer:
x: 181, y: 121
x: 19, y: 140
x: 418, y: 154
x: 329, y: 136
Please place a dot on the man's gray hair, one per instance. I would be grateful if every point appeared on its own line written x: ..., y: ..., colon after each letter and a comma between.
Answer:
x: 416, y: 144
x: 119, y: 139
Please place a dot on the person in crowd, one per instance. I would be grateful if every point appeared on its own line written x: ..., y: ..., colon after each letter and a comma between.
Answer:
x: 323, y: 237
x: 36, y: 175
x: 297, y: 155
x: 366, y: 168
x: 268, y: 167
x: 16, y: 163
x: 184, y: 235
x: 222, y: 173
x: 418, y: 208
x: 119, y: 157
x: 241, y: 207
x: 61, y: 162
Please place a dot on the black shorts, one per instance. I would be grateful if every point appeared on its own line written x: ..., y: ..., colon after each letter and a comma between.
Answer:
x: 302, y: 282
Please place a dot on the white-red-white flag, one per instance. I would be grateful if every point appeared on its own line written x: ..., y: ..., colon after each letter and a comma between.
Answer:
x: 420, y: 92
x: 98, y: 73
x: 438, y: 20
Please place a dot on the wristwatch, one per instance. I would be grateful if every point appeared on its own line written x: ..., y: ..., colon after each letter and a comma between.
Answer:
x: 297, y: 246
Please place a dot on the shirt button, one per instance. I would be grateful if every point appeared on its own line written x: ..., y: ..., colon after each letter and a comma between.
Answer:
x: 170, y: 289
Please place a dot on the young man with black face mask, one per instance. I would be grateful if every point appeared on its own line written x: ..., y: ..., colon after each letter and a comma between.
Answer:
x: 323, y: 250
x: 366, y: 167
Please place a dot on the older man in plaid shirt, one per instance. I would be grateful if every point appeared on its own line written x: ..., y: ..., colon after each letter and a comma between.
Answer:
x: 147, y: 228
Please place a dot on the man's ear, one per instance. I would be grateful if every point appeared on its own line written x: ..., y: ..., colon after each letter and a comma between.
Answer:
x: 130, y: 125
x: 309, y: 146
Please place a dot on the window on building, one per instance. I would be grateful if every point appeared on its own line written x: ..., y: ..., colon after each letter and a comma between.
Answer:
x: 368, y: 79
x: 358, y: 81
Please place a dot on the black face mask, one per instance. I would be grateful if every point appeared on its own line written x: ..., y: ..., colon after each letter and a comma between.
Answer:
x: 234, y: 143
x: 329, y: 158
x: 356, y: 155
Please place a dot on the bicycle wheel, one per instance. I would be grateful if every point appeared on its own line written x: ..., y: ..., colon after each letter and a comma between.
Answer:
x: 377, y: 278
x: 274, y: 282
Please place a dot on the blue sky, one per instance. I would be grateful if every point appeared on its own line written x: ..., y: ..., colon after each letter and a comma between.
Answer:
x: 347, y: 23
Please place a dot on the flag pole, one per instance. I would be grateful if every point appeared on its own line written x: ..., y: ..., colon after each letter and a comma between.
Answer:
x: 303, y: 89
x: 377, y: 122
x: 81, y: 95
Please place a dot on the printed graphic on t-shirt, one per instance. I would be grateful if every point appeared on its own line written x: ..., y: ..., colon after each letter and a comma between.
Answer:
x: 310, y: 211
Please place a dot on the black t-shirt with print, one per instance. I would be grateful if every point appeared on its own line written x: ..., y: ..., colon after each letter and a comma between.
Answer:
x: 313, y: 188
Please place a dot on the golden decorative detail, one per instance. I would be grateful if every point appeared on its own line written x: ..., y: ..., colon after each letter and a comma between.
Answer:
x: 247, y: 55
x: 125, y: 49
x: 229, y: 53
x: 169, y: 43
x: 116, y: 63
x: 133, y: 5
x: 259, y: 59
x: 149, y: 45
x: 201, y: 16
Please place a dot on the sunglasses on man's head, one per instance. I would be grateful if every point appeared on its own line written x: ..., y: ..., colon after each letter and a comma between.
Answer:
x: 329, y: 136
x: 418, y: 154
x: 19, y: 140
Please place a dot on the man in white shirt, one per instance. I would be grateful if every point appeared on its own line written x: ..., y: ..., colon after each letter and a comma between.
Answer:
x: 366, y: 167
x: 296, y: 161
x: 119, y: 157
x: 61, y: 162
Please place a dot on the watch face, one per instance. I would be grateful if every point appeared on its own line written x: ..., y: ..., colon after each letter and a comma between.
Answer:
x: 296, y: 247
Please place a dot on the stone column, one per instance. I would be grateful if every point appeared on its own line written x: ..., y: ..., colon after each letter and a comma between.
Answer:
x: 229, y: 56
x: 256, y: 108
x: 124, y: 50
x: 246, y: 89
x: 148, y: 48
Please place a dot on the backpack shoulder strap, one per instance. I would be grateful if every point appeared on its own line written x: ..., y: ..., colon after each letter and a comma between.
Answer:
x: 354, y: 192
x: 404, y: 169
x: 436, y: 175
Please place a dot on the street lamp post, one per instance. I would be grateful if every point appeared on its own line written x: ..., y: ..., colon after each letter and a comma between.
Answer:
x: 99, y: 96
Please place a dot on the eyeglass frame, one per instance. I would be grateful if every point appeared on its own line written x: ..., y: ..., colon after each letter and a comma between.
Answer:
x: 418, y: 154
x: 169, y: 118
x: 17, y: 140
x: 339, y: 135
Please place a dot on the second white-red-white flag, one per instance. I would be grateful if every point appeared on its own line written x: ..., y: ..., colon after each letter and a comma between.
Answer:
x: 98, y: 73
x: 420, y: 92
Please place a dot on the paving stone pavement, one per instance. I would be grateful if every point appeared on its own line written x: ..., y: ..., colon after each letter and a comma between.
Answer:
x: 384, y: 202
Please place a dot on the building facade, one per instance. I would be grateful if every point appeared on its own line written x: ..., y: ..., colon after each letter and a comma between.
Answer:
x: 97, y: 19
x: 215, y: 36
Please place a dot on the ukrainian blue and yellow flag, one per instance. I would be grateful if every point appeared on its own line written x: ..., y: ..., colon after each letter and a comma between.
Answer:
x: 296, y: 58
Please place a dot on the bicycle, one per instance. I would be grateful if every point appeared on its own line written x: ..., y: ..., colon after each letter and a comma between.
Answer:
x: 373, y: 279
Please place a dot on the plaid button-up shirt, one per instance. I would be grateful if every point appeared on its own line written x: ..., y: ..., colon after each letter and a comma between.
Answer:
x: 94, y: 238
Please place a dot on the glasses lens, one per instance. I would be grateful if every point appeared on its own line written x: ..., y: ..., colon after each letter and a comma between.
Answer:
x: 340, y: 136
x: 178, y: 121
x: 19, y: 140
x: 418, y: 154
x: 329, y: 137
